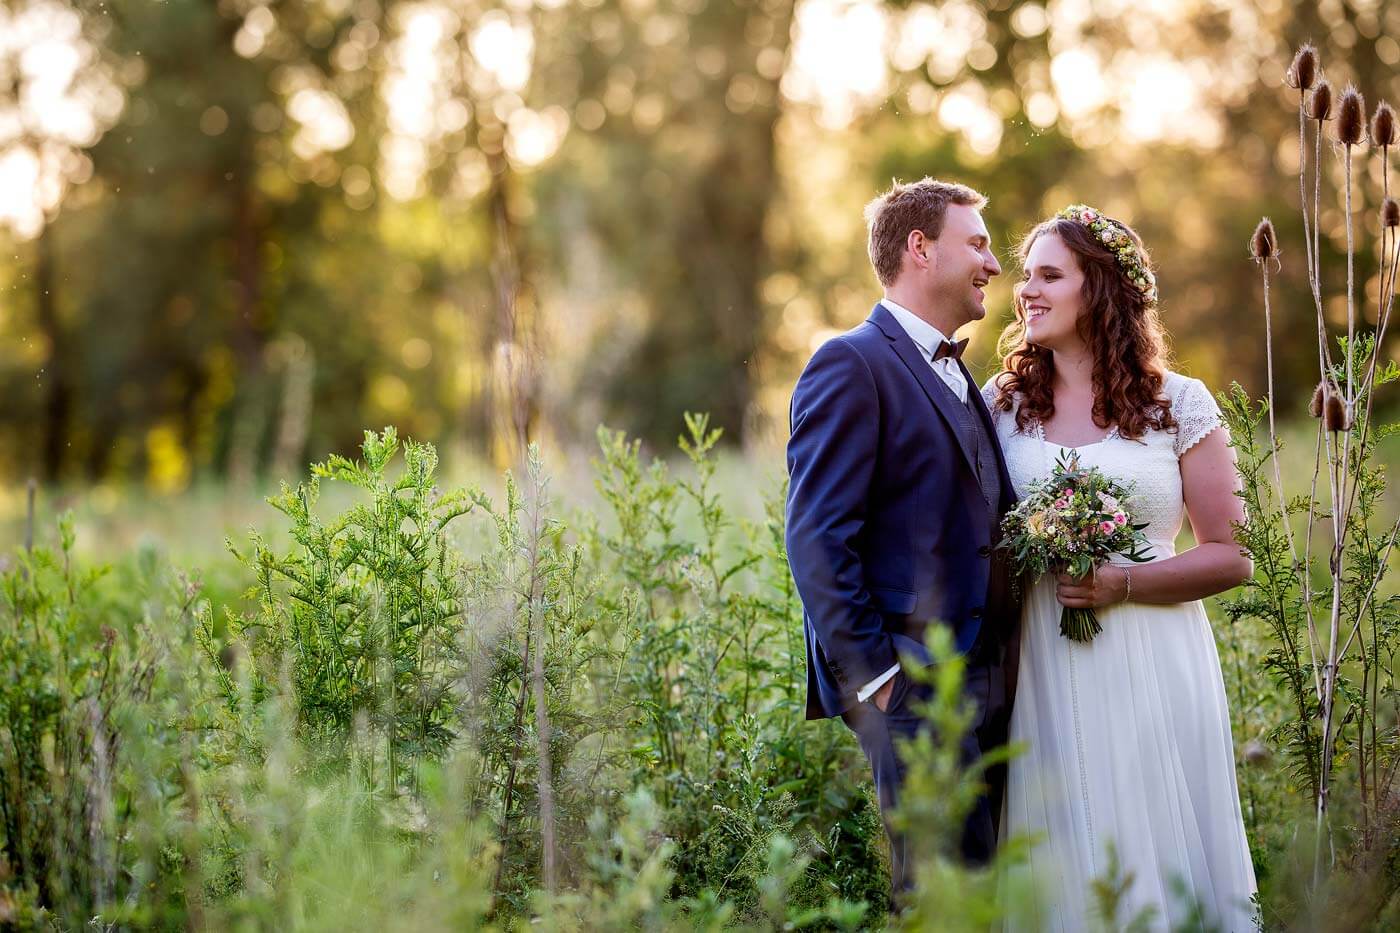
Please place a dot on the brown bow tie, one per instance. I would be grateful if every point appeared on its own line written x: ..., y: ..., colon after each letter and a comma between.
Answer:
x: 950, y: 348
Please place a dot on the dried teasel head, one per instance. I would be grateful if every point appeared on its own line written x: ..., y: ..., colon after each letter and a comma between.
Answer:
x: 1264, y: 244
x: 1383, y: 125
x: 1390, y: 213
x: 1319, y: 399
x: 1335, y: 414
x: 1351, y: 117
x: 1321, y: 103
x: 1303, y: 71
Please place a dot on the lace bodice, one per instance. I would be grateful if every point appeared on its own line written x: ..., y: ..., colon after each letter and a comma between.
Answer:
x: 1150, y: 464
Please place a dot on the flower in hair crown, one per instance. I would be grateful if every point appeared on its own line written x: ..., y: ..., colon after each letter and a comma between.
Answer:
x: 1117, y: 241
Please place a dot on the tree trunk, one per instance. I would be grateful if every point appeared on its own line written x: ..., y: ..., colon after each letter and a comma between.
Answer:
x: 249, y: 330
x: 513, y: 391
x: 58, y: 402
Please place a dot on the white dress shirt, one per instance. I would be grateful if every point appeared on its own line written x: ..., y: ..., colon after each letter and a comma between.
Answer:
x: 928, y: 339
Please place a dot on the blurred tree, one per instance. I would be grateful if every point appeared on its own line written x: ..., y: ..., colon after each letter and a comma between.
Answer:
x: 57, y: 96
x: 489, y: 222
x: 676, y: 169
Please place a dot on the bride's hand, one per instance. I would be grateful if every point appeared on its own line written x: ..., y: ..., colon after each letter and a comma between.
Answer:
x: 1104, y: 587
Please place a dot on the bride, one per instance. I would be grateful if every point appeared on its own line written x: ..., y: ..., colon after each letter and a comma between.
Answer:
x: 1128, y: 741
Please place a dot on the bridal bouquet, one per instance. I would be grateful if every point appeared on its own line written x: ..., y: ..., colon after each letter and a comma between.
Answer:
x: 1072, y: 521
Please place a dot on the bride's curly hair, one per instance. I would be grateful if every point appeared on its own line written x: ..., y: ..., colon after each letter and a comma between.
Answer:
x: 1120, y: 327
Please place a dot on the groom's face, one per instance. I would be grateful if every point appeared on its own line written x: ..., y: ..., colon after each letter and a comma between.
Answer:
x: 963, y: 264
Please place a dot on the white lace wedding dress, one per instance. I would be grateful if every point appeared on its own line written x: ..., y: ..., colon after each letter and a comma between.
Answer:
x: 1128, y: 737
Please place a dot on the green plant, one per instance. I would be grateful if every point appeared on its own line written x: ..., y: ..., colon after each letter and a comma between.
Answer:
x: 1318, y: 588
x: 716, y: 675
x: 90, y: 727
x: 365, y: 611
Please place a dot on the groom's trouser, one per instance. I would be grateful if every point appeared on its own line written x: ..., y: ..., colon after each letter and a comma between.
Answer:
x: 878, y: 732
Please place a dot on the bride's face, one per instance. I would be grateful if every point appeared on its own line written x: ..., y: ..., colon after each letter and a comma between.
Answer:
x: 1051, y: 295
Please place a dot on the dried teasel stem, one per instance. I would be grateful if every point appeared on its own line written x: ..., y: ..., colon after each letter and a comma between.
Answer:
x: 1301, y: 76
x: 1319, y: 110
x: 1351, y: 121
x: 1263, y: 248
x: 1351, y: 124
x: 1390, y: 259
x: 1336, y: 413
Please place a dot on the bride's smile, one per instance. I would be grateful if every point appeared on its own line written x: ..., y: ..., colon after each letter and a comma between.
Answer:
x: 1050, y: 296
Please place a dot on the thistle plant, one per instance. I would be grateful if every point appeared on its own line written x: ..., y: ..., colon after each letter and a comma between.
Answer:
x: 1320, y: 607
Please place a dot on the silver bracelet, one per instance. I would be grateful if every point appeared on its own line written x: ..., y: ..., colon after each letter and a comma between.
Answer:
x: 1127, y: 584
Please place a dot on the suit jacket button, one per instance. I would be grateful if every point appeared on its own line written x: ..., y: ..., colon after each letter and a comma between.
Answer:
x: 975, y: 612
x: 984, y: 551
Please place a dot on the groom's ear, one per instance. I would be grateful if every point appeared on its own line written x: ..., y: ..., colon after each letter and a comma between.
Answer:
x: 919, y: 247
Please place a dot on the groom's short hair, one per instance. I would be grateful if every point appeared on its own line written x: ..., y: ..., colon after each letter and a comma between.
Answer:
x: 919, y: 205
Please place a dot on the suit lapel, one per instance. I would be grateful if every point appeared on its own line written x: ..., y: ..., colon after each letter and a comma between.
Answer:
x: 942, y: 398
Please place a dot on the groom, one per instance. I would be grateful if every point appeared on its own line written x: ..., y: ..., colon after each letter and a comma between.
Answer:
x: 897, y: 490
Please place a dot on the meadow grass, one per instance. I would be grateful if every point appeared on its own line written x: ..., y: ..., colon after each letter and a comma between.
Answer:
x: 576, y: 702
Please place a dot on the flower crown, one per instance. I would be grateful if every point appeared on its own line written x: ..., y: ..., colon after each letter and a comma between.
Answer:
x: 1112, y: 235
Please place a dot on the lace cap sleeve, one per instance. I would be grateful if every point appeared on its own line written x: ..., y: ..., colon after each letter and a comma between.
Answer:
x: 1196, y: 414
x: 989, y: 391
x: 989, y: 395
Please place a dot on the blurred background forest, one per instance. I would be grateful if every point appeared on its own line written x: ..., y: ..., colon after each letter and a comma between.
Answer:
x: 233, y: 234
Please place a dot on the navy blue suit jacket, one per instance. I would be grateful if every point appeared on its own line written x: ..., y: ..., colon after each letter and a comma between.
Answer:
x: 887, y: 527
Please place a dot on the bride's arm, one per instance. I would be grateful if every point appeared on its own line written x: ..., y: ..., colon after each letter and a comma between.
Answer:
x: 1208, y: 484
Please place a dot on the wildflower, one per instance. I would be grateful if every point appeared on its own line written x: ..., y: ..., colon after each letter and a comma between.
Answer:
x: 1390, y: 213
x: 1351, y: 118
x: 1263, y: 244
x: 1304, y: 68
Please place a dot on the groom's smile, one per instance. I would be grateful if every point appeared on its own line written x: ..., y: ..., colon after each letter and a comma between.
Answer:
x: 963, y: 249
